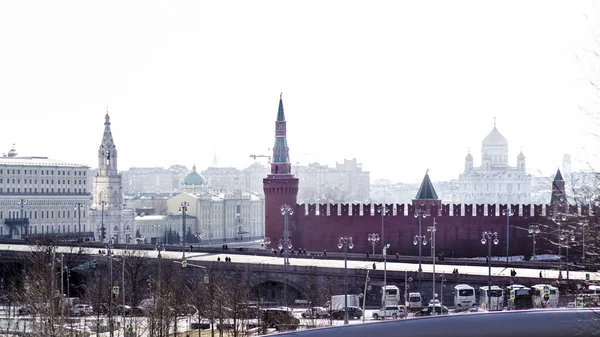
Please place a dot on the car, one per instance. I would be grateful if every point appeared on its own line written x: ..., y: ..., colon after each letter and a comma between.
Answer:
x: 429, y: 310
x: 315, y: 312
x: 393, y: 311
x: 353, y: 312
x: 279, y: 318
x: 83, y: 310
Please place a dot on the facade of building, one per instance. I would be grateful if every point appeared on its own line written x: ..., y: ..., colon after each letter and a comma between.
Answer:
x: 110, y: 219
x: 148, y: 180
x: 41, y: 196
x: 495, y: 181
x: 165, y: 229
x: 222, y: 217
x: 346, y: 182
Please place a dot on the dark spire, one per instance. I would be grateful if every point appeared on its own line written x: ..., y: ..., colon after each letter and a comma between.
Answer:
x: 558, y: 175
x: 280, y: 115
x: 426, y: 191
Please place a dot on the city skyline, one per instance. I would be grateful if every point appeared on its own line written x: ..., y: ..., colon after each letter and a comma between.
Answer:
x: 401, y: 87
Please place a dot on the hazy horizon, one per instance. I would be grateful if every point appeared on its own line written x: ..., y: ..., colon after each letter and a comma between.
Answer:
x: 401, y: 86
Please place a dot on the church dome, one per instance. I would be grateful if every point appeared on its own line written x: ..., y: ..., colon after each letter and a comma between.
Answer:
x: 469, y: 157
x: 194, y: 178
x: 495, y: 139
x: 521, y: 156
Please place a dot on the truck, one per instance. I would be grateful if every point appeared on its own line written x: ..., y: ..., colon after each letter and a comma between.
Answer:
x: 337, y: 302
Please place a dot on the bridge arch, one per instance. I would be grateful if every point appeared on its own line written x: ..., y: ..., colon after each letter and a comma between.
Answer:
x: 276, y: 288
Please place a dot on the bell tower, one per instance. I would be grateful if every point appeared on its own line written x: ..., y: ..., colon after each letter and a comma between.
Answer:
x: 280, y: 186
x: 107, y: 204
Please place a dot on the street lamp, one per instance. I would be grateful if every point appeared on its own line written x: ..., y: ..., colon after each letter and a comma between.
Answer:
x: 420, y: 214
x: 533, y: 230
x: 345, y: 243
x: 383, y: 210
x: 432, y: 230
x: 102, y: 229
x: 568, y: 235
x: 286, y: 243
x: 508, y: 212
x: 558, y: 219
x: 373, y: 238
x: 266, y: 241
x: 583, y: 225
x: 109, y: 247
x: 22, y: 203
x: 183, y: 208
x: 489, y: 237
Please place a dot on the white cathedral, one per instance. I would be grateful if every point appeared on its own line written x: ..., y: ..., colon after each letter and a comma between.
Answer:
x: 495, y: 181
x: 108, y: 212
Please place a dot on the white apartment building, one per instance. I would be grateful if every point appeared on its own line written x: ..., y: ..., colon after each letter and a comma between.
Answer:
x: 42, y: 196
x: 223, y: 217
x: 495, y: 181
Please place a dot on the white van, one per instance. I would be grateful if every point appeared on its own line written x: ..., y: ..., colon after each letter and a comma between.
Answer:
x: 415, y: 302
x: 544, y: 296
x: 491, y: 297
x: 464, y: 297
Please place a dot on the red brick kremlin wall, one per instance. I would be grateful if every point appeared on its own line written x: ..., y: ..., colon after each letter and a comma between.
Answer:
x: 459, y: 228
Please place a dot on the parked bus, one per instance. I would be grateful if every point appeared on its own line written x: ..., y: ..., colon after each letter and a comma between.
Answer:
x: 392, y: 295
x: 519, y: 297
x: 491, y: 297
x: 544, y: 296
x: 464, y: 297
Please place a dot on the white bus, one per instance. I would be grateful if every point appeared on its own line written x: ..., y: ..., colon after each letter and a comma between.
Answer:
x: 464, y: 297
x: 392, y: 295
x: 544, y: 296
x: 493, y: 297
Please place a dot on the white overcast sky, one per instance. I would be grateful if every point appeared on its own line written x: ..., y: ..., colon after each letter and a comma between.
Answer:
x: 402, y: 86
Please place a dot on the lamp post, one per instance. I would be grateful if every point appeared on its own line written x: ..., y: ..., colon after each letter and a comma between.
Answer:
x: 102, y: 229
x: 373, y: 238
x: 432, y: 230
x: 286, y: 243
x: 367, y: 287
x: 345, y: 243
x: 109, y: 248
x: 383, y: 210
x: 420, y: 214
x: 583, y: 225
x: 558, y: 219
x: 22, y: 203
x: 568, y: 235
x: 266, y: 241
x: 508, y: 212
x: 489, y: 237
x: 533, y: 230
x: 183, y: 208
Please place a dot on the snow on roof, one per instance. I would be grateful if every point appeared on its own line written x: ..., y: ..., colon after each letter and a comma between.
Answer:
x: 36, y: 161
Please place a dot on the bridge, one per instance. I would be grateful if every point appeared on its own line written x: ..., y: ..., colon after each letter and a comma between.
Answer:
x: 271, y: 276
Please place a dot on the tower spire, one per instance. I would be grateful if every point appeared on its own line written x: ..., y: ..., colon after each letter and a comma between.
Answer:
x: 281, y: 158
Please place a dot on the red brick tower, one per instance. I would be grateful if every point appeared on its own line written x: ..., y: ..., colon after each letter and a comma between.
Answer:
x: 280, y: 186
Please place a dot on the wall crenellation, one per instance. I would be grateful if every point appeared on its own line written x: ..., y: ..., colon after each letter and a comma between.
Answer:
x: 445, y: 210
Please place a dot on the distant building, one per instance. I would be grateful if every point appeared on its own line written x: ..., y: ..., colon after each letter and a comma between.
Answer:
x: 165, y: 229
x: 148, y: 180
x: 193, y: 182
x: 495, y: 181
x: 222, y: 217
x: 42, y: 196
x: 347, y: 182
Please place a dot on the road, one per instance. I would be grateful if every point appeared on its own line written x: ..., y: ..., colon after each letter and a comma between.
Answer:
x: 336, y: 263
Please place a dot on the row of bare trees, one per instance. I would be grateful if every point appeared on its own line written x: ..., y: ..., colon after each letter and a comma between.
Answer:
x: 155, y: 297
